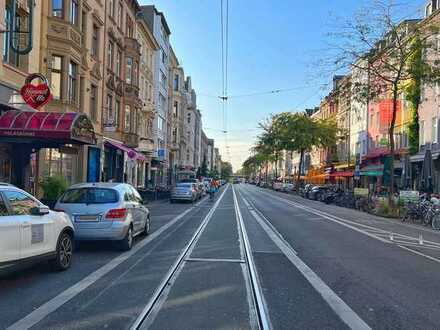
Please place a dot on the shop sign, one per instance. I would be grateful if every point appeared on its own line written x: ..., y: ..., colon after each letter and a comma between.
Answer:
x: 409, y: 196
x: 361, y: 192
x: 36, y: 95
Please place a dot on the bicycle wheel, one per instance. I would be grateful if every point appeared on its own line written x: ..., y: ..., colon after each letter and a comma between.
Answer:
x: 436, y: 222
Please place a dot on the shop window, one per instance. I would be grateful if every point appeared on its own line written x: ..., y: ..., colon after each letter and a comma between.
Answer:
x: 60, y: 164
x: 74, y: 12
x: 58, y: 8
x: 93, y: 102
x: 127, y: 121
x: 56, y: 76
x: 72, y: 82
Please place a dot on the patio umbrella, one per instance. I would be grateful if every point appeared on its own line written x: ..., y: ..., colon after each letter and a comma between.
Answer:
x: 426, y: 177
x: 406, y: 172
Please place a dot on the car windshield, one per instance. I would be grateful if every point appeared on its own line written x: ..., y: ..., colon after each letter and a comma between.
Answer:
x: 89, y: 196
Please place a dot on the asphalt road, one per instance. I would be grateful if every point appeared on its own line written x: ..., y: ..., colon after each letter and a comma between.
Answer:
x: 252, y: 258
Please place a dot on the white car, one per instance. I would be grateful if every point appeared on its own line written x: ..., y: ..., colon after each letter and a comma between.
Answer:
x: 30, y: 232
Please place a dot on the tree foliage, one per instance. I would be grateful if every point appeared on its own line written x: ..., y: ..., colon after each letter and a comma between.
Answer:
x: 226, y: 170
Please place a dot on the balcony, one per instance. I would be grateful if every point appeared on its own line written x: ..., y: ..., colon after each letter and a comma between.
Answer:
x: 62, y: 31
x: 131, y: 139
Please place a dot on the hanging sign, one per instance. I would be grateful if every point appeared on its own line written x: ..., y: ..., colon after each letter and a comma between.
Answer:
x: 36, y: 95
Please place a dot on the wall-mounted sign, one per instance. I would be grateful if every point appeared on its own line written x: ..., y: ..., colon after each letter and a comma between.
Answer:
x: 36, y: 95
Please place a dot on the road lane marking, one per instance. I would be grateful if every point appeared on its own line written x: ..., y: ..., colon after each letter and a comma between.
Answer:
x: 345, y: 313
x: 261, y: 305
x: 373, y: 232
x: 419, y: 253
x: 214, y: 260
x: 52, y: 305
x: 152, y: 308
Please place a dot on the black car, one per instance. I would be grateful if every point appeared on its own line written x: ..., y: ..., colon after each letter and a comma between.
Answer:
x: 318, y: 192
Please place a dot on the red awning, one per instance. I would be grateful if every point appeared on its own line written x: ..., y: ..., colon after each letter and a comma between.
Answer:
x: 345, y: 174
x: 69, y: 127
x: 131, y: 153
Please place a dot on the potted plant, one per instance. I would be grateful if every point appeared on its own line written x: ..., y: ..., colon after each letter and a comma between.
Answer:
x: 53, y: 187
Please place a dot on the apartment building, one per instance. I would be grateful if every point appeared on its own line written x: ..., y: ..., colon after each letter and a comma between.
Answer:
x: 158, y: 25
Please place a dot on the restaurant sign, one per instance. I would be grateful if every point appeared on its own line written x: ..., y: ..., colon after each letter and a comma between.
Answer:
x: 36, y: 95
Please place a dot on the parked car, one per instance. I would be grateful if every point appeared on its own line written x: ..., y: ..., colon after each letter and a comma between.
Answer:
x: 304, y: 191
x: 106, y: 211
x: 288, y: 187
x: 317, y: 192
x: 184, y: 192
x: 30, y: 232
x: 276, y: 185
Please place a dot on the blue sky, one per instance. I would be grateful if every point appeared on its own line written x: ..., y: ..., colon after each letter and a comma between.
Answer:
x: 272, y: 45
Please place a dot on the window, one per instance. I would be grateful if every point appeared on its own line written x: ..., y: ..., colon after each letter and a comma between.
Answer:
x: 164, y: 57
x: 118, y: 62
x: 93, y: 102
x: 129, y: 70
x: 117, y: 111
x: 437, y: 89
x: 55, y: 76
x: 176, y: 82
x: 160, y: 123
x: 72, y: 83
x: 162, y: 105
x: 21, y: 203
x: 95, y: 41
x: 127, y: 118
x: 111, y: 49
x: 129, y: 28
x: 120, y: 13
x: 133, y: 121
x: 378, y: 119
x: 57, y: 8
x: 3, y: 209
x: 109, y: 104
x: 176, y: 109
x: 74, y: 12
x: 434, y: 130
x: 90, y: 196
x: 111, y: 8
x: 422, y: 132
x: 84, y: 24
x: 188, y: 118
x: 9, y: 55
x: 163, y: 79
x: 135, y: 73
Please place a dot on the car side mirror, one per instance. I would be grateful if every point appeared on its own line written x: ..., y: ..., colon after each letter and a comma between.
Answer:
x: 39, y: 210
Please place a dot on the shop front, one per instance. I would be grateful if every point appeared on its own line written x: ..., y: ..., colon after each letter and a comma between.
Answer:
x: 40, y: 144
x: 123, y: 164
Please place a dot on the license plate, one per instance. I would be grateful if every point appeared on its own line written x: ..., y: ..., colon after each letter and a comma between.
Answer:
x: 87, y: 218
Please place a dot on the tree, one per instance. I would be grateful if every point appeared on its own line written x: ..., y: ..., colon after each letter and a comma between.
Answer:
x: 297, y: 132
x: 213, y: 173
x: 204, y: 168
x: 226, y: 170
x: 375, y: 41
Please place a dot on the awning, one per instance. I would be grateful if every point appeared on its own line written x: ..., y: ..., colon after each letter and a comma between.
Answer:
x: 131, y: 153
x: 372, y: 170
x: 345, y: 174
x: 51, y: 127
x: 421, y: 155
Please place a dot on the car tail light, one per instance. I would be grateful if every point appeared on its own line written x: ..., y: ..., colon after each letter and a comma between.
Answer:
x: 116, y: 214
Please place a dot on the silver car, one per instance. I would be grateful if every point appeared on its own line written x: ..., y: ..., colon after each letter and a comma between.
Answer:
x: 187, y: 191
x: 106, y: 211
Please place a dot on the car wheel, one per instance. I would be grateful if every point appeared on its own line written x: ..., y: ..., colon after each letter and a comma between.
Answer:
x: 64, y: 252
x: 127, y: 242
x: 147, y: 227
